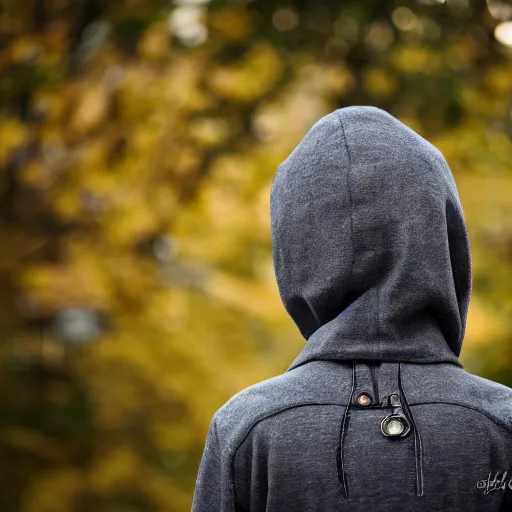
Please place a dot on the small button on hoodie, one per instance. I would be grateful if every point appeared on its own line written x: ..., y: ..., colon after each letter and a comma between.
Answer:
x: 364, y: 399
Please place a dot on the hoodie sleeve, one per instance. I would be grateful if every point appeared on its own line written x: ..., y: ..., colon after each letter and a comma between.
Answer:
x: 209, y: 494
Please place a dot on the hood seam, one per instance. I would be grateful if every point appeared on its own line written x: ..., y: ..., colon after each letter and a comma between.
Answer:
x: 349, y: 190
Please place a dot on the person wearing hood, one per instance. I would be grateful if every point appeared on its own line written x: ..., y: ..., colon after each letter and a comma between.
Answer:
x: 376, y: 413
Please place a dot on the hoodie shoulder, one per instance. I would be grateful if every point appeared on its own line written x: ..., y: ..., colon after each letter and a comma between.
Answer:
x: 446, y: 383
x: 316, y: 383
x: 492, y: 398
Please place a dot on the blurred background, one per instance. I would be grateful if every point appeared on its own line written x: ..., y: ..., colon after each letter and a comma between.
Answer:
x: 138, y: 142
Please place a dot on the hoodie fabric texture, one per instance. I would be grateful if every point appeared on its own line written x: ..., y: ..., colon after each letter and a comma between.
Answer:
x: 376, y: 413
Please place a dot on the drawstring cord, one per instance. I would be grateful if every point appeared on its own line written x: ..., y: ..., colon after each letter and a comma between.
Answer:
x: 418, y: 446
x: 342, y: 476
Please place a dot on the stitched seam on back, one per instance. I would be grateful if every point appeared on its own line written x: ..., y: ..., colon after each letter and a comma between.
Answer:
x: 488, y: 416
x: 231, y: 460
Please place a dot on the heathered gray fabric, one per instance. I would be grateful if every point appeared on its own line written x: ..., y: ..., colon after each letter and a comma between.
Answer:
x: 372, y: 261
x: 370, y: 246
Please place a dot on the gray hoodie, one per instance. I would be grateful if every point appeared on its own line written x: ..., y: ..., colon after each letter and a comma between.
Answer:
x: 372, y: 260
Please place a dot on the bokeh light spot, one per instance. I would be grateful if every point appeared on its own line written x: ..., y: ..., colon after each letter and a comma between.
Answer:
x: 404, y: 19
x: 503, y: 33
x: 285, y: 19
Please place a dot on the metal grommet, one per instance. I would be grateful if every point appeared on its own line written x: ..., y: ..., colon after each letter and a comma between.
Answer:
x: 364, y: 399
x: 394, y: 425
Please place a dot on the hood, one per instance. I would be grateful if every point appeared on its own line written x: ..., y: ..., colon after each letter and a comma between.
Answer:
x: 370, y: 247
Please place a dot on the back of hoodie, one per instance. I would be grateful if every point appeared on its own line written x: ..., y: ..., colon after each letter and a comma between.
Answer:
x: 376, y: 413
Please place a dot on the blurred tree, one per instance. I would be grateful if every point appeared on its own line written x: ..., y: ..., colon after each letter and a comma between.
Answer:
x: 139, y: 141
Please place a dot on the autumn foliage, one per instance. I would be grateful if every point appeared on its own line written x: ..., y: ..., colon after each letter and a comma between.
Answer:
x: 138, y: 142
